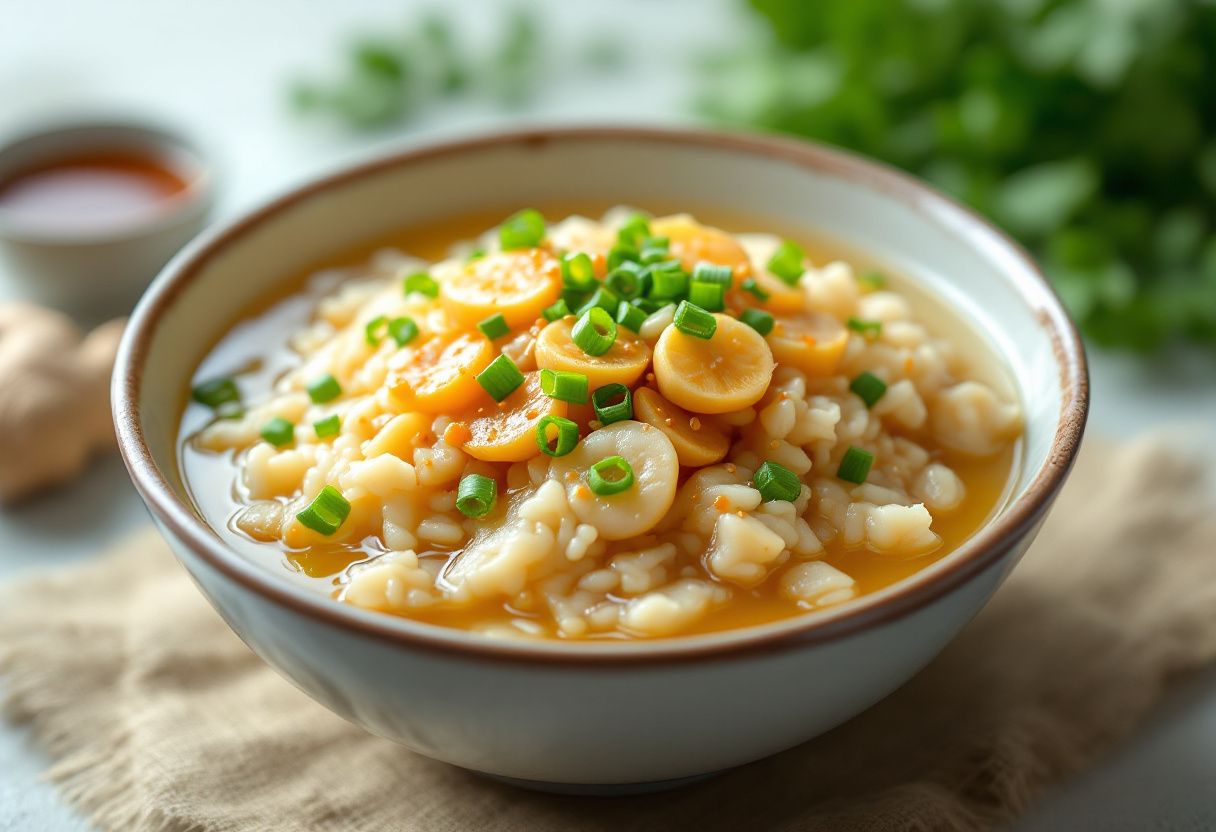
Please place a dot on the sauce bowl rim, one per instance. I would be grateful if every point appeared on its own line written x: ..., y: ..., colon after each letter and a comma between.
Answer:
x: 983, y: 550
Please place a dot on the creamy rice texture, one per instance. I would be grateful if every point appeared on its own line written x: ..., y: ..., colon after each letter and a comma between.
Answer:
x: 694, y: 532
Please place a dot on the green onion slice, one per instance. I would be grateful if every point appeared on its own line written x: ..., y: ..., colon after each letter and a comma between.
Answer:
x: 869, y: 388
x: 556, y: 311
x: 494, y: 327
x: 594, y: 332
x: 612, y: 403
x: 695, y: 321
x: 501, y: 378
x: 668, y: 280
x: 403, y: 330
x: 324, y: 389
x: 787, y: 261
x: 869, y: 329
x: 525, y: 229
x: 565, y: 439
x: 371, y: 331
x: 602, y: 297
x: 327, y: 427
x: 216, y: 392
x: 758, y: 320
x: 621, y: 253
x: 422, y: 283
x: 577, y: 271
x: 279, y: 432
x: 627, y: 280
x: 713, y: 273
x: 648, y: 305
x: 475, y: 495
x: 611, y: 475
x: 630, y: 316
x: 564, y: 385
x: 709, y: 296
x: 776, y: 482
x: 855, y: 465
x: 751, y: 286
x: 327, y: 512
x: 634, y: 230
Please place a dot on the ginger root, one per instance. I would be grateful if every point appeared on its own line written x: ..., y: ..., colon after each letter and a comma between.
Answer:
x: 54, y: 396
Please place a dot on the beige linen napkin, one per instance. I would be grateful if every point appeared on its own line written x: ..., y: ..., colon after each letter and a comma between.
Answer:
x: 160, y: 719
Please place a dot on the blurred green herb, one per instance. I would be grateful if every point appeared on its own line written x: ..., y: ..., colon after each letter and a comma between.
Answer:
x: 1087, y: 128
x: 385, y: 80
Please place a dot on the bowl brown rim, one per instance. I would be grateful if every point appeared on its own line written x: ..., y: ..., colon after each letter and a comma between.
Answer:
x: 982, y: 551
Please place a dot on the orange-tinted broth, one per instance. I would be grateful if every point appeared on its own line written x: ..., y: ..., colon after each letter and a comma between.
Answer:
x: 256, y: 346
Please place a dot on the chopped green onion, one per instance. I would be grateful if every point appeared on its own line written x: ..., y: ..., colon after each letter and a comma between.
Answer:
x: 422, y: 283
x: 557, y: 311
x: 279, y: 432
x: 630, y: 316
x: 610, y: 476
x: 371, y: 332
x: 602, y: 297
x: 695, y: 321
x: 652, y: 255
x: 216, y: 392
x: 501, y: 378
x: 564, y: 385
x: 594, y: 332
x: 713, y: 273
x: 327, y: 427
x: 635, y: 229
x: 325, y: 389
x: 578, y: 271
x: 621, y: 253
x: 872, y: 280
x: 655, y: 242
x: 869, y: 388
x: 855, y: 465
x: 648, y: 305
x: 868, y: 329
x: 787, y: 262
x: 758, y: 320
x: 612, y: 403
x: 709, y: 296
x: 403, y: 330
x: 475, y: 254
x: 524, y: 229
x: 750, y: 285
x: 566, y: 439
x: 574, y: 298
x: 776, y: 482
x: 668, y: 280
x: 475, y: 495
x: 494, y: 327
x: 627, y: 280
x: 327, y: 512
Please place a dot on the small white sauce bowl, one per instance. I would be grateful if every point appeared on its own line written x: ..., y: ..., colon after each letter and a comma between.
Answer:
x: 596, y: 716
x: 96, y: 274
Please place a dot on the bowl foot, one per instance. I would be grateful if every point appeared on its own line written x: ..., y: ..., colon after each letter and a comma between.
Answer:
x: 602, y: 789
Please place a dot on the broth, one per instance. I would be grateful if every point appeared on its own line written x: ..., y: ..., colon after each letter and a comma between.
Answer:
x: 256, y: 347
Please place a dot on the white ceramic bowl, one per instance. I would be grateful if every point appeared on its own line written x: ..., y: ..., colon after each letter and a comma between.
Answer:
x: 576, y: 715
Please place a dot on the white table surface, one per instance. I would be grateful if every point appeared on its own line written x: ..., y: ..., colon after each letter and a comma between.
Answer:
x: 218, y: 70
